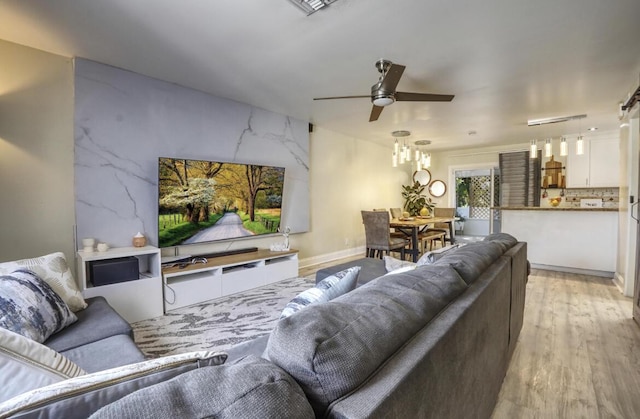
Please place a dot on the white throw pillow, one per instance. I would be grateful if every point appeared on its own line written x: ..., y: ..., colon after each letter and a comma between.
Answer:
x: 391, y: 264
x: 329, y: 288
x: 85, y: 394
x: 54, y: 270
x: 26, y: 365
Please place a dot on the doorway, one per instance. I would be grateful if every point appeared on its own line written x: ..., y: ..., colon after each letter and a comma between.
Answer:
x: 477, y: 192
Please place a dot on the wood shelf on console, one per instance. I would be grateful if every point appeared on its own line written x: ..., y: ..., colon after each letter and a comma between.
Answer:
x: 226, y: 275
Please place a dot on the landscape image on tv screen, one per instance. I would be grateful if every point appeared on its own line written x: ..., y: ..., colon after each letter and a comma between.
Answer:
x: 202, y: 201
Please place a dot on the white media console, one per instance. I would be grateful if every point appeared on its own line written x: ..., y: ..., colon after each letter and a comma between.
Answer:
x: 187, y: 284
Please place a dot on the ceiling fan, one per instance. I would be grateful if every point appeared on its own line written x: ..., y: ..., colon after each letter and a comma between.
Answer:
x: 384, y: 93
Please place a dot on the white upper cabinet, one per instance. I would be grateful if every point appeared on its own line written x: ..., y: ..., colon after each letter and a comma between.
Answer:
x: 598, y: 167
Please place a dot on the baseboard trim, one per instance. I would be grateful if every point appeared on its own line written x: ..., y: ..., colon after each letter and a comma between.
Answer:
x: 619, y: 282
x: 604, y: 274
x: 328, y: 257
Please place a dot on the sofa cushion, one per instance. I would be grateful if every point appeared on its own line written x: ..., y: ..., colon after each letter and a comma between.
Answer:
x: 84, y: 395
x: 54, y: 270
x: 472, y: 259
x: 114, y: 351
x: 329, y: 288
x: 96, y: 322
x: 30, y: 307
x: 250, y: 388
x: 506, y: 241
x: 332, y: 348
x: 26, y: 364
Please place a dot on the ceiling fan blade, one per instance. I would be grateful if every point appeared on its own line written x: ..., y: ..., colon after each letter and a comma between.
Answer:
x: 392, y: 78
x: 342, y: 97
x: 422, y: 97
x: 375, y: 113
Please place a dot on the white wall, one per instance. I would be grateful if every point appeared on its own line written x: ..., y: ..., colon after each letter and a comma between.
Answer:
x: 36, y: 153
x: 347, y: 175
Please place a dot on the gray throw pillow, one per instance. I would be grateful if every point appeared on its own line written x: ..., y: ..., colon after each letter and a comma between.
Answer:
x: 30, y: 307
x: 326, y: 290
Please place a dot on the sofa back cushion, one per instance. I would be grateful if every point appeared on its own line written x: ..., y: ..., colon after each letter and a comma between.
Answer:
x: 331, y: 348
x: 472, y: 259
x: 250, y: 388
x: 506, y: 241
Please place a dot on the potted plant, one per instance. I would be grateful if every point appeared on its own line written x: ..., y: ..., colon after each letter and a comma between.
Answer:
x: 414, y: 200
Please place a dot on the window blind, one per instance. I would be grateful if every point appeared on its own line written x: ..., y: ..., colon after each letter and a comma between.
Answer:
x: 519, y: 179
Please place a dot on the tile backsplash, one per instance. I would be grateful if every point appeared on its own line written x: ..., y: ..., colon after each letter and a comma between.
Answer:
x: 571, y: 199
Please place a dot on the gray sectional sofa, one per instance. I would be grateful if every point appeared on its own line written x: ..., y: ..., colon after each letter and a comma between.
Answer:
x: 99, y: 340
x: 432, y: 342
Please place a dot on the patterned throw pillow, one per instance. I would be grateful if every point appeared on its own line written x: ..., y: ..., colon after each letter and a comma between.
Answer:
x: 29, y: 307
x: 54, y: 270
x: 329, y: 288
x: 26, y: 365
x: 431, y: 257
x: 392, y: 264
x: 85, y: 394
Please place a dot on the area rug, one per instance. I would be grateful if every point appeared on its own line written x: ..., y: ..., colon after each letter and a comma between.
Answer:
x: 218, y: 324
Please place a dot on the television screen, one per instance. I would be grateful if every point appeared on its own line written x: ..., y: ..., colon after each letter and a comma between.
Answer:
x: 202, y: 201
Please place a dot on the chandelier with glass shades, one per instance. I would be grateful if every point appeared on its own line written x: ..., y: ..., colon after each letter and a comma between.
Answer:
x: 403, y: 153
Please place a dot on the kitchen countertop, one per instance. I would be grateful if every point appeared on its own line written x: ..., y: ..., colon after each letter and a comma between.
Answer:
x: 554, y: 209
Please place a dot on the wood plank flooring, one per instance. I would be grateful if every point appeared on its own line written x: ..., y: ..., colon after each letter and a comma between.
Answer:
x: 578, y: 355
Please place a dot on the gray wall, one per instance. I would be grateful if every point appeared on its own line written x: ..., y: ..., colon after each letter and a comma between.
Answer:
x: 125, y: 121
x: 36, y: 153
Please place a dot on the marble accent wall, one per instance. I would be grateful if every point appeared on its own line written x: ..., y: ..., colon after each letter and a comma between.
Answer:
x: 124, y: 121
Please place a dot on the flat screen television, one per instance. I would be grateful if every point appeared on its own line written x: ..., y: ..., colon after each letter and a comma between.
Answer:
x: 203, y: 201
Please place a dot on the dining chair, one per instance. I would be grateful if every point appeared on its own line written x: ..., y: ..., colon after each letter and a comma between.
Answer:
x: 396, y: 212
x: 378, y: 235
x: 442, y: 227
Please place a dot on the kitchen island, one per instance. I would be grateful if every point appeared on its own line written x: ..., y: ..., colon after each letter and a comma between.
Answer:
x: 582, y: 240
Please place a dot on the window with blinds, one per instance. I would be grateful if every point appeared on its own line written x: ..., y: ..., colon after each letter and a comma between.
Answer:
x: 519, y: 179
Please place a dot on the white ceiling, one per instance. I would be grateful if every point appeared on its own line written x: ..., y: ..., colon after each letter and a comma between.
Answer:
x: 505, y: 60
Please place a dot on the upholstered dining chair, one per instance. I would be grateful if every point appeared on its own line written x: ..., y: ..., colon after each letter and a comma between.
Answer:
x: 378, y: 237
x: 396, y: 212
x: 442, y: 227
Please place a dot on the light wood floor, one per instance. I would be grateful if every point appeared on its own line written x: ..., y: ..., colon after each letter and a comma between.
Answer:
x: 578, y: 355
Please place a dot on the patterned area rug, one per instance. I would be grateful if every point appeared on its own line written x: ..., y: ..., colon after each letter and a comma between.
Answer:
x: 219, y: 324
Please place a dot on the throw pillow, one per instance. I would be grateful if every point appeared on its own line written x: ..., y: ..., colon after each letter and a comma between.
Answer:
x: 392, y: 264
x: 30, y: 307
x: 54, y: 270
x: 26, y: 365
x: 432, y: 256
x: 85, y: 394
x: 329, y: 288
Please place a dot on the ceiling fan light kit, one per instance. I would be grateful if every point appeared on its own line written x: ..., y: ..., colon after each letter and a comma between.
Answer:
x: 384, y: 93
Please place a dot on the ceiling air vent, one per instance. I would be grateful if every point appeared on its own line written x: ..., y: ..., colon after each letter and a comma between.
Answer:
x: 311, y: 6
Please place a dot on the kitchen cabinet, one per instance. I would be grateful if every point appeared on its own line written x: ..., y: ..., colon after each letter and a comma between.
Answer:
x: 579, y: 240
x: 598, y: 167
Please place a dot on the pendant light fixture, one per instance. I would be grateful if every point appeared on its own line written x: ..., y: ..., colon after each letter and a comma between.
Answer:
x: 400, y: 154
x: 423, y: 159
x: 564, y: 148
x: 533, y: 149
x: 548, y: 151
x: 579, y: 141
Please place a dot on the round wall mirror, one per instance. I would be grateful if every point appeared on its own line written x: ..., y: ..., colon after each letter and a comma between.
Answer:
x: 422, y: 176
x: 437, y: 188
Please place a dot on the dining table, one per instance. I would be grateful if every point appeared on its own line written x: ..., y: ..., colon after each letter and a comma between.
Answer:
x: 412, y: 226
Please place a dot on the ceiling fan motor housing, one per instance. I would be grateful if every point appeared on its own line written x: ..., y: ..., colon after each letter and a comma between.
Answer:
x: 381, y: 97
